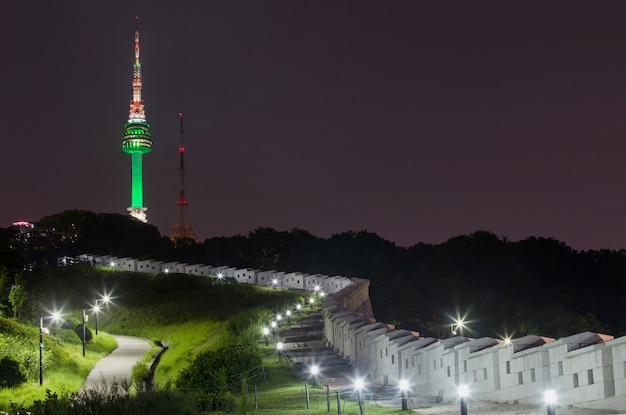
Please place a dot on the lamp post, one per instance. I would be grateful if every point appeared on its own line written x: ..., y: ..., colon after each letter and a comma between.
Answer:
x: 220, y: 276
x: 266, y: 333
x: 279, y: 349
x: 315, y: 371
x: 404, y: 387
x: 550, y: 397
x: 96, y: 308
x: 43, y: 330
x: 299, y: 308
x: 358, y: 385
x: 279, y: 318
x: 84, y: 331
x: 311, y: 301
x: 288, y: 314
x: 273, y: 325
x: 463, y: 393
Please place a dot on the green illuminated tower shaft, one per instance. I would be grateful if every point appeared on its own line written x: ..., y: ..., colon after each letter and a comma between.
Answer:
x: 137, y: 140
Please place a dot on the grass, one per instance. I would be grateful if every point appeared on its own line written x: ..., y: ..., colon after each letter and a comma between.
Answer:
x: 68, y: 368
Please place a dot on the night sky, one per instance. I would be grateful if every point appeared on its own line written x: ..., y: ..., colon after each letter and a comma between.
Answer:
x: 416, y: 120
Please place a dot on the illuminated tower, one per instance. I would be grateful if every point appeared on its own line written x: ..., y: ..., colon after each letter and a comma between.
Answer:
x: 182, y: 230
x: 137, y: 139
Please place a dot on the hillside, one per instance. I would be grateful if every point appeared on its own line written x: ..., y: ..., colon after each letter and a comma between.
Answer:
x: 190, y: 314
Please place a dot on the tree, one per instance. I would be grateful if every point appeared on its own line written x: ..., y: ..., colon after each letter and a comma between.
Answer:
x: 17, y: 296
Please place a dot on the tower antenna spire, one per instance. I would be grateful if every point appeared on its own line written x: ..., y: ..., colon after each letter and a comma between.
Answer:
x: 182, y: 230
x: 137, y: 138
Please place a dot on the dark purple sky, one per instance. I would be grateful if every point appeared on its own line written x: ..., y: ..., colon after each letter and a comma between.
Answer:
x: 415, y: 120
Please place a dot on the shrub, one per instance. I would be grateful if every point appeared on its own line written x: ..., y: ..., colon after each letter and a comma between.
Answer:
x: 10, y: 373
x: 79, y: 330
x: 70, y: 336
x: 220, y: 370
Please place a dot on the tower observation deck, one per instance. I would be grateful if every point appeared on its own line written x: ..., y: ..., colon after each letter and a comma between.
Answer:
x: 137, y: 140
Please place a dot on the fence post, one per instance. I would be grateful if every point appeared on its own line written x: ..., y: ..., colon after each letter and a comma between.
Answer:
x: 247, y: 393
x: 338, y: 404
x: 308, y: 401
x: 327, y: 398
x: 256, y: 400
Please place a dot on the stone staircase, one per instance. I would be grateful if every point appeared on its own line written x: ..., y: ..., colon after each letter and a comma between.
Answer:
x: 303, y: 343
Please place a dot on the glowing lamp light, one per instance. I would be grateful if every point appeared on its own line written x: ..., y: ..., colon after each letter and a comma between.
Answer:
x: 550, y: 396
x: 56, y: 316
x: 220, y: 275
x: 274, y: 281
x: 266, y: 331
x: 112, y: 264
x: 279, y: 346
x: 404, y: 385
x: 279, y: 317
x: 358, y: 384
x: 315, y: 370
x: 463, y: 391
x: 311, y: 300
x: 288, y: 313
x: 298, y: 307
x: 317, y: 288
x: 167, y: 271
x: 273, y: 324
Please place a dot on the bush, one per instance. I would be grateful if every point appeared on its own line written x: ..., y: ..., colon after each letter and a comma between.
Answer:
x: 220, y: 370
x: 70, y: 336
x: 10, y: 373
x: 79, y: 330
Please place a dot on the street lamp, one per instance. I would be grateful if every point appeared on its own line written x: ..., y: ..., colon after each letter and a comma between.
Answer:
x: 266, y: 333
x: 96, y: 308
x: 550, y: 397
x: 464, y: 394
x: 85, y: 318
x: 299, y: 308
x: 288, y: 314
x: 220, y: 276
x: 311, y: 301
x: 278, y: 319
x: 404, y: 387
x: 315, y: 371
x: 358, y: 385
x: 44, y: 330
x: 279, y: 349
x: 273, y: 325
x: 458, y: 325
x: 275, y: 282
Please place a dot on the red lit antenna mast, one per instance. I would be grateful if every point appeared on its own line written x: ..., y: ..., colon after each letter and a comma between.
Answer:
x: 182, y: 230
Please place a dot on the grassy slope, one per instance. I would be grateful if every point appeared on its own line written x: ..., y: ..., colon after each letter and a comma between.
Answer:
x: 67, y: 368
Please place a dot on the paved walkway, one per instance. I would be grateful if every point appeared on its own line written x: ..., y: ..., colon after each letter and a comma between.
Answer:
x: 119, y: 364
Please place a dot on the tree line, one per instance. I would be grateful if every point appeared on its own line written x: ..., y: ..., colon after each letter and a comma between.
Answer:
x: 499, y: 287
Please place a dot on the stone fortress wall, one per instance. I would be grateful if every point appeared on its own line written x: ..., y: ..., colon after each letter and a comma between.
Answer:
x: 586, y: 369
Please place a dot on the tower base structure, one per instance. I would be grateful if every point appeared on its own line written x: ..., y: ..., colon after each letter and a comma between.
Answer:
x: 138, y: 213
x: 183, y: 231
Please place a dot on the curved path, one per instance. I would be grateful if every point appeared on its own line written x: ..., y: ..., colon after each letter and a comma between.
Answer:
x: 119, y: 364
